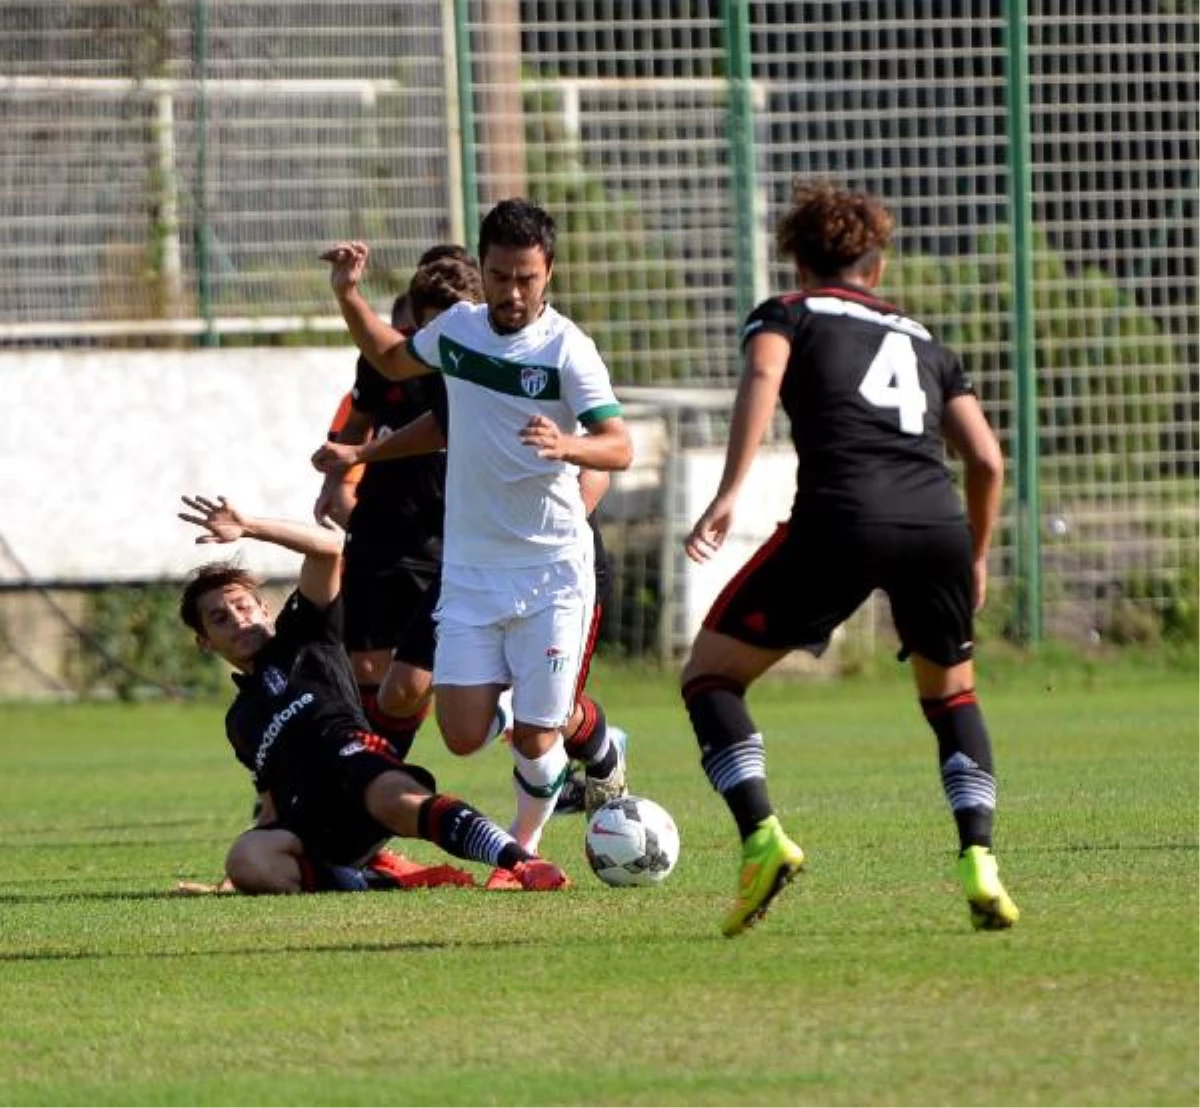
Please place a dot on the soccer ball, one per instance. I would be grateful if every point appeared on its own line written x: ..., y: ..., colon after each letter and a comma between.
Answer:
x: 631, y: 841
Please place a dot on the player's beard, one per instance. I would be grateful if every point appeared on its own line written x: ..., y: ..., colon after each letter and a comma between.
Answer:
x: 527, y: 316
x: 505, y: 328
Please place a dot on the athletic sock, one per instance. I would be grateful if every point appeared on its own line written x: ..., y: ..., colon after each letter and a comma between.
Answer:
x: 465, y: 832
x: 400, y: 731
x: 536, y: 785
x: 965, y: 761
x: 589, y: 743
x: 732, y: 753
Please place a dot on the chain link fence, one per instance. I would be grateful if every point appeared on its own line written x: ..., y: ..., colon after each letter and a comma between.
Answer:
x: 171, y: 168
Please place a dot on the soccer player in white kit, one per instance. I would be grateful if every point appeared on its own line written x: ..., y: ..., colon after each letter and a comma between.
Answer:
x: 530, y: 403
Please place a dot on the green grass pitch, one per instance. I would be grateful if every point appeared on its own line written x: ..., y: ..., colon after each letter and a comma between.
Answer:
x: 865, y: 984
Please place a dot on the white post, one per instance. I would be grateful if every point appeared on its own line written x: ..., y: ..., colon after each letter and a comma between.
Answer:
x: 454, y: 177
x: 167, y: 231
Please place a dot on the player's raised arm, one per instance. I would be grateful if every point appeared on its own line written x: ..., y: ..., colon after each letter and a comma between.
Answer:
x: 320, y: 575
x: 422, y: 435
x: 384, y: 347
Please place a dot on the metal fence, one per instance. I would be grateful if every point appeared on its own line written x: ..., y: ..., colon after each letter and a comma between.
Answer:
x: 171, y: 168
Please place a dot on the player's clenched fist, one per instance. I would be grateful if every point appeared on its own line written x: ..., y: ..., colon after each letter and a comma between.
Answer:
x: 335, y: 457
x: 347, y: 261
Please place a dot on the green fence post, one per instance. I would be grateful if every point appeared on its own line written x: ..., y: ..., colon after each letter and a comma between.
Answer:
x: 466, y: 120
x: 1028, y: 511
x: 203, y: 232
x: 741, y: 149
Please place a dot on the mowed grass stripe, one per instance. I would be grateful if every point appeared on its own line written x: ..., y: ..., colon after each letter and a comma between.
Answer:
x: 865, y: 984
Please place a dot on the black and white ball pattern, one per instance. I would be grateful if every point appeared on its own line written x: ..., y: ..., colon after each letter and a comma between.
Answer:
x: 632, y: 841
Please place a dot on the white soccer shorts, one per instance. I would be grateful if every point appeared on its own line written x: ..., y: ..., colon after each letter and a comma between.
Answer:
x: 524, y: 627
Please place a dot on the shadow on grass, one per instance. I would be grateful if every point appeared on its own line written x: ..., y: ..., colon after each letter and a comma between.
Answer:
x: 134, y: 825
x: 1095, y: 848
x: 373, y: 947
x: 73, y: 898
x: 201, y: 836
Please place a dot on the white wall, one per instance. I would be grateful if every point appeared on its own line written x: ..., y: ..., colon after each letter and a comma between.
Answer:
x: 96, y: 448
x: 764, y: 502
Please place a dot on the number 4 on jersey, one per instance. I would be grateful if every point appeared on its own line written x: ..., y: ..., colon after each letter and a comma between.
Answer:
x: 892, y: 381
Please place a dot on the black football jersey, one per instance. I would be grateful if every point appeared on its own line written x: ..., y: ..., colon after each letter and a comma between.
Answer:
x: 865, y: 389
x: 301, y: 695
x: 400, y: 502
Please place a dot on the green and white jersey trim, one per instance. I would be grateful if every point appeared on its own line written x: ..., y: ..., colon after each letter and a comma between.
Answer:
x: 537, y: 382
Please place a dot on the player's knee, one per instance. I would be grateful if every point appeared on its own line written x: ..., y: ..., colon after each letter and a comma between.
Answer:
x: 464, y: 732
x: 940, y: 680
x: 405, y: 695
x: 462, y: 745
x: 718, y: 657
x: 703, y: 661
x: 369, y: 666
x: 533, y: 740
x: 262, y: 866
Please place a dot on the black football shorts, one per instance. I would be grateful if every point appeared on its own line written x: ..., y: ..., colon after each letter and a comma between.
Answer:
x: 416, y: 638
x: 380, y: 593
x: 812, y: 575
x: 325, y: 808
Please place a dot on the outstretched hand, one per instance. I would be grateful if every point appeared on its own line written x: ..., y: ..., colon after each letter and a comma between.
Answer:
x: 347, y: 261
x: 220, y: 519
x: 710, y: 530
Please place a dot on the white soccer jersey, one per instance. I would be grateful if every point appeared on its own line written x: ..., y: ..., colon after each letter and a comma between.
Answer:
x: 505, y: 506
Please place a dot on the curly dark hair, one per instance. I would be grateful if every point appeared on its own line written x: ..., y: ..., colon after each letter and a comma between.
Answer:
x: 204, y: 579
x: 517, y: 223
x: 403, y: 315
x: 832, y: 231
x: 440, y: 250
x: 442, y: 283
